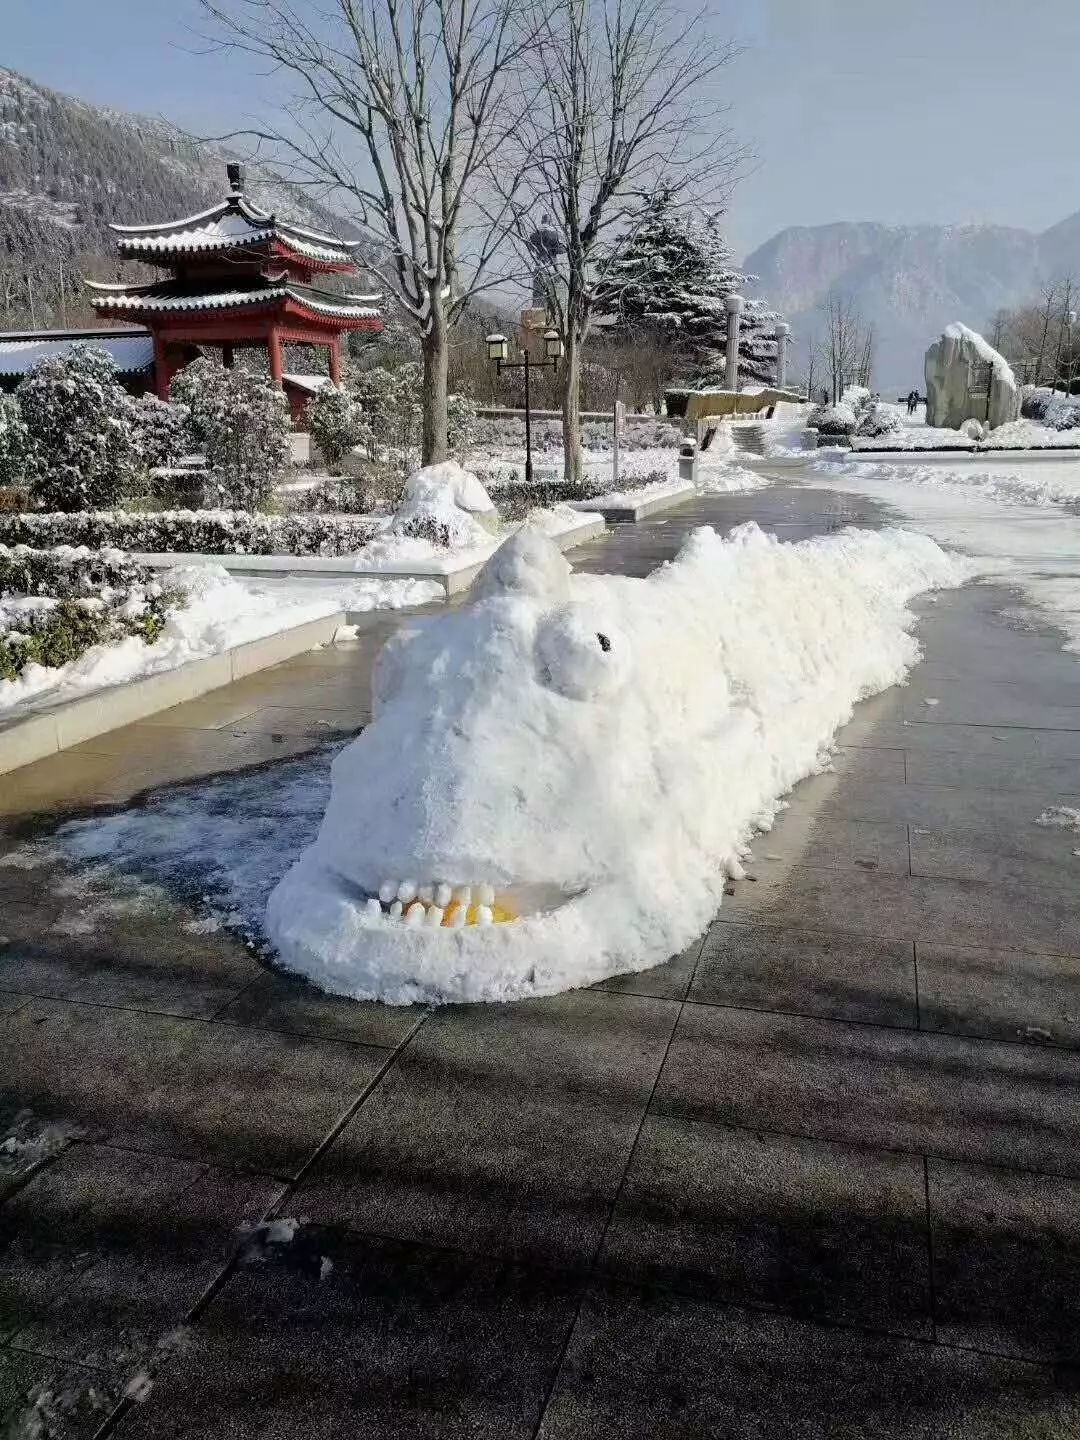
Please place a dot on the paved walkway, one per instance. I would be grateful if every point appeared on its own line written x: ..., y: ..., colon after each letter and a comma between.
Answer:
x: 819, y: 1176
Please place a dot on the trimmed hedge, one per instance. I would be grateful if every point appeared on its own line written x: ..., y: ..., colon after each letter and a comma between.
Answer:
x: 514, y: 499
x: 82, y: 598
x: 204, y: 532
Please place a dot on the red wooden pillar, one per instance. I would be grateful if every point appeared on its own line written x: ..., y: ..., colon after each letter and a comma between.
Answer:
x: 335, y: 360
x: 273, y: 345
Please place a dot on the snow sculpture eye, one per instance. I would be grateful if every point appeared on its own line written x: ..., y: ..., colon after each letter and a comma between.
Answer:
x: 578, y: 660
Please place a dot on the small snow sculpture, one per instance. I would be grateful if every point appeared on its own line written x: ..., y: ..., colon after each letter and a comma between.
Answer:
x: 966, y: 379
x: 447, y: 504
x: 559, y: 776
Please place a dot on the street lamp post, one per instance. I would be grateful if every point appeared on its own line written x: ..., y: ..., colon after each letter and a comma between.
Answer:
x: 498, y: 350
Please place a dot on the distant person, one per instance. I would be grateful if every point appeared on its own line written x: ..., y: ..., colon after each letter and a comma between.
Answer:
x: 824, y: 395
x: 912, y: 402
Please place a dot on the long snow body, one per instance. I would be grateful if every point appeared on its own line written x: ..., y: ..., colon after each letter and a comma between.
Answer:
x: 559, y: 778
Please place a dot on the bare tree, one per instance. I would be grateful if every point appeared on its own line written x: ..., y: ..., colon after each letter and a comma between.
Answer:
x: 615, y: 113
x: 847, y: 345
x: 397, y: 108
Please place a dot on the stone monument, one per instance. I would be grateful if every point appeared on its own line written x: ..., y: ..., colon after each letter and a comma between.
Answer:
x: 966, y: 379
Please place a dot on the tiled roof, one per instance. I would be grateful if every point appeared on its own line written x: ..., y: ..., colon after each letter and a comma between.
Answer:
x: 232, y: 224
x: 132, y: 351
x: 166, y: 298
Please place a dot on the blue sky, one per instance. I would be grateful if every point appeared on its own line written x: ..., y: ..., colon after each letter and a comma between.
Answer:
x: 896, y: 110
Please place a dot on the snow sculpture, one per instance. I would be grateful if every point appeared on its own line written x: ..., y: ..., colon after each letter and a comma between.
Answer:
x: 560, y: 776
x: 966, y: 379
x: 446, y: 503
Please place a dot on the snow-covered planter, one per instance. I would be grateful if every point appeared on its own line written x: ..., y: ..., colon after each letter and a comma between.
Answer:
x: 204, y: 532
x: 82, y: 449
x: 447, y: 506
x: 55, y: 604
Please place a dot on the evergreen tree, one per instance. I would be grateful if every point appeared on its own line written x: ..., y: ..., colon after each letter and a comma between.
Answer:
x: 668, y: 288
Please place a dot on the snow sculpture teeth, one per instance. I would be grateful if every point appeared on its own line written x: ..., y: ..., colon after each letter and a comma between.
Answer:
x: 437, y: 904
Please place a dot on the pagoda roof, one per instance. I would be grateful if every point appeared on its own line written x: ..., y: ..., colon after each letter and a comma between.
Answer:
x: 169, y: 297
x: 233, y: 224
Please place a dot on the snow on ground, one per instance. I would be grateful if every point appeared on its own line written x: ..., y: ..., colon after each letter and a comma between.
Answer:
x: 1008, y: 515
x: 222, y: 612
x: 559, y: 777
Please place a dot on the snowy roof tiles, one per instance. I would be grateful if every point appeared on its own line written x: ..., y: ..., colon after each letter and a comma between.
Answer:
x: 170, y: 298
x: 131, y: 350
x: 234, y: 223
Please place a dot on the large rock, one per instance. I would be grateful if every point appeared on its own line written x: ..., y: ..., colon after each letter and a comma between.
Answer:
x: 957, y: 369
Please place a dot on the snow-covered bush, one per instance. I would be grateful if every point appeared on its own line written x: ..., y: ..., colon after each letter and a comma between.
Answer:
x: 507, y: 432
x: 245, y: 431
x: 195, y: 388
x: 161, y: 431
x: 857, y: 398
x: 205, y: 532
x: 55, y: 604
x: 879, y: 419
x: 390, y: 401
x: 336, y: 422
x: 14, y: 441
x: 446, y: 505
x: 461, y: 423
x: 1059, y: 412
x: 82, y: 450
x: 836, y: 419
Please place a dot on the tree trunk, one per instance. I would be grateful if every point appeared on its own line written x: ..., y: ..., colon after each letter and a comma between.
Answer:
x: 571, y: 407
x: 436, y: 351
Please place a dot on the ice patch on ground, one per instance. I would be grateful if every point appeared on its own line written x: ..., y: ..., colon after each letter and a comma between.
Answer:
x: 1060, y: 817
x: 585, y: 757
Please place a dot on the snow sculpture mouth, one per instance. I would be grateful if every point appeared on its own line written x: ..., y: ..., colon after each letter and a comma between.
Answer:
x: 440, y: 905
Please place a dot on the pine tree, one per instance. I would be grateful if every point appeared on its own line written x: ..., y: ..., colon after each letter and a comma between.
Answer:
x: 668, y: 287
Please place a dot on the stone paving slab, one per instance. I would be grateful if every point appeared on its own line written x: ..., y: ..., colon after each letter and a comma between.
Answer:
x: 837, y: 977
x: 347, y: 1336
x: 643, y: 1365
x: 501, y: 1129
x: 104, y: 1252
x: 792, y: 1224
x: 171, y: 1085
x: 1000, y: 994
x: 1006, y: 1260
x: 46, y: 1398
x: 896, y: 1089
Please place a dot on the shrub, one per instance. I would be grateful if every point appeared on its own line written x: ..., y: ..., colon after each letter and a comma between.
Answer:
x: 55, y: 604
x: 336, y: 422
x: 193, y: 388
x: 835, y: 420
x: 206, y: 532
x: 82, y: 450
x: 244, y: 424
x: 161, y: 431
x: 1059, y: 412
x: 390, y: 401
x: 461, y: 423
x: 879, y: 419
x: 14, y: 442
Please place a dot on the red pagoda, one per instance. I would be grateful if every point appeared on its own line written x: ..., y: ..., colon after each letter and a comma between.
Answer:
x: 238, y: 276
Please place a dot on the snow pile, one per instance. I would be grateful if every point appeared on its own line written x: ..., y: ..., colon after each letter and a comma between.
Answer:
x: 446, y: 505
x: 1043, y: 482
x: 559, y: 777
x: 1060, y: 817
x: 728, y: 478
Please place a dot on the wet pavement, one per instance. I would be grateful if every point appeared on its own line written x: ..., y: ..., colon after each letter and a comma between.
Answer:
x: 818, y: 1176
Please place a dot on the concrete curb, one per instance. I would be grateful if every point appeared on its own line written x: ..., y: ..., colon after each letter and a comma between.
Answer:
x: 47, y: 732
x: 613, y: 513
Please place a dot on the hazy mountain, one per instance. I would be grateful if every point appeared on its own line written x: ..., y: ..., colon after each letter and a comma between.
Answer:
x: 910, y: 280
x: 68, y: 168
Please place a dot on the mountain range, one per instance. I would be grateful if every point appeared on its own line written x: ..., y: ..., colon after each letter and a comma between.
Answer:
x: 909, y: 281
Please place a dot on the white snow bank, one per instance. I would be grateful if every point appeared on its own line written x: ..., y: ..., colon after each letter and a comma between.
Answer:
x: 447, y: 502
x: 728, y: 478
x: 221, y: 612
x: 583, y: 757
